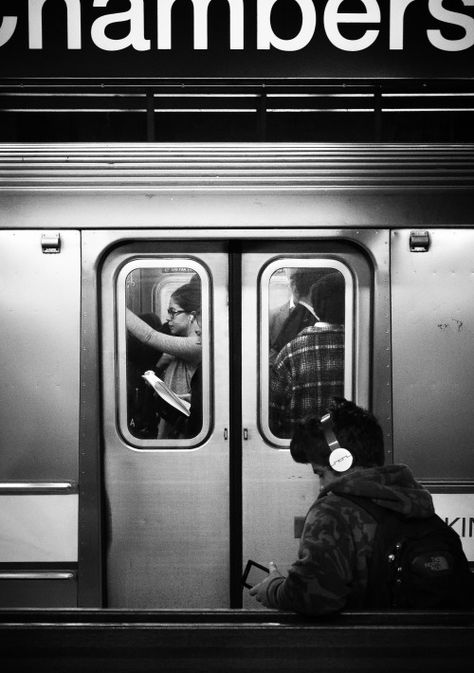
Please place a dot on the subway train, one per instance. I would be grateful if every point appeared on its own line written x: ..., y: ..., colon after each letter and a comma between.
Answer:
x: 100, y: 509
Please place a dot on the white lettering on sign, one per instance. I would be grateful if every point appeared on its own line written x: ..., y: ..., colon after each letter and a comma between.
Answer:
x: 201, y: 10
x: 135, y: 38
x: 35, y: 23
x: 7, y: 28
x: 266, y: 37
x: 456, y: 19
x: 462, y: 524
x: 332, y: 19
x: 397, y: 22
x: 458, y: 512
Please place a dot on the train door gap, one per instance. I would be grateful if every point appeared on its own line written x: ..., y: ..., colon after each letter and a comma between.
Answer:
x: 235, y: 392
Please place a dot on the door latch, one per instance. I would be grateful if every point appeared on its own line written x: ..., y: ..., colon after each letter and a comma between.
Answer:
x: 51, y: 244
x: 420, y: 241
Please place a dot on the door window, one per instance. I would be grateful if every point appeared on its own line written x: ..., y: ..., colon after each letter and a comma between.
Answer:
x: 164, y: 352
x: 306, y: 345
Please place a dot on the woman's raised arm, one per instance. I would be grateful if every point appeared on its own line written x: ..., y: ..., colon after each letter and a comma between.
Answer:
x: 186, y: 348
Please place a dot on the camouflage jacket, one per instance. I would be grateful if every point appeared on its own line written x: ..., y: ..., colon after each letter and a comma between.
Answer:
x: 331, y: 571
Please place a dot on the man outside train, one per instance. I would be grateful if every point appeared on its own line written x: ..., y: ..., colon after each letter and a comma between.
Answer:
x: 332, y: 569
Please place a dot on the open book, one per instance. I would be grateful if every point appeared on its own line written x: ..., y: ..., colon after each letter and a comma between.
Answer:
x: 166, y: 393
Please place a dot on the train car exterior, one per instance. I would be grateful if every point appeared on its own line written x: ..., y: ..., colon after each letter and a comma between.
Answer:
x: 98, y: 511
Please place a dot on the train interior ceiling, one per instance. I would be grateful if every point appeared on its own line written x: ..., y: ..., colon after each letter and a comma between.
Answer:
x: 134, y: 534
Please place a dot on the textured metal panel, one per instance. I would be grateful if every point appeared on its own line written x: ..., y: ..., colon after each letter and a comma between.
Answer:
x: 38, y: 528
x: 285, y: 185
x: 433, y: 352
x: 39, y: 357
x: 271, y: 209
x: 289, y: 166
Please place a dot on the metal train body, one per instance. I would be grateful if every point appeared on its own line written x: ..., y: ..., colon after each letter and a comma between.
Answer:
x: 92, y: 513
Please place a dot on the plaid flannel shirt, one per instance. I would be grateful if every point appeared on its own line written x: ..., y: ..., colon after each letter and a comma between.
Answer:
x: 307, y: 373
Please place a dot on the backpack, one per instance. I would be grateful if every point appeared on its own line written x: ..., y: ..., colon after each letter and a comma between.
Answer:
x: 416, y: 563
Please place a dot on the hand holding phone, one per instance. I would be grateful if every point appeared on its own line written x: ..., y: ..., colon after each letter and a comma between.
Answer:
x: 254, y: 573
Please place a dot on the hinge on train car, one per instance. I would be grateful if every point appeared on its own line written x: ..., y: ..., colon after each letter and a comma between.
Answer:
x: 51, y: 243
x: 419, y: 241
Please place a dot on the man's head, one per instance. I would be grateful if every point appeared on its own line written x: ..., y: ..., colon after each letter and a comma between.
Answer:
x: 302, y: 281
x: 328, y: 298
x: 356, y: 429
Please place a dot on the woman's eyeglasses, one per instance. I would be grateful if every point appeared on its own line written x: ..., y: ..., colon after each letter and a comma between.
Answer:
x: 172, y: 312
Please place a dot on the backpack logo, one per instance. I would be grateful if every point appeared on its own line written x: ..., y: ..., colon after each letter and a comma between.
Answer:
x: 433, y: 564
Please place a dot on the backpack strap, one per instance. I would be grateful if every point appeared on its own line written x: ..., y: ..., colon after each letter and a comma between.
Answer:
x: 378, y: 594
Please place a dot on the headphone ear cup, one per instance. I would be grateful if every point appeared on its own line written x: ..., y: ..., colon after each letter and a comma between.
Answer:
x: 340, y: 459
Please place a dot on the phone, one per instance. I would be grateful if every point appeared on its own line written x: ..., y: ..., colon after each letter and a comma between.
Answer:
x: 254, y: 573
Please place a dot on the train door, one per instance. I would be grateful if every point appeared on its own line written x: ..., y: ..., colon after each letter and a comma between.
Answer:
x: 166, y: 483
x: 286, y: 289
x: 188, y: 505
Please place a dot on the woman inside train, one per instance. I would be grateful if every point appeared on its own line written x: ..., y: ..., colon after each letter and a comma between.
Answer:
x: 182, y: 350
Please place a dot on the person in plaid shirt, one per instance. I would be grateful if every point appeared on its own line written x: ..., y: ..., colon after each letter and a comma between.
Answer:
x: 309, y: 371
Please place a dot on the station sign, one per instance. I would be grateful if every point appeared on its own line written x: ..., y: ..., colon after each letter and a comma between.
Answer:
x: 237, y: 38
x: 458, y: 512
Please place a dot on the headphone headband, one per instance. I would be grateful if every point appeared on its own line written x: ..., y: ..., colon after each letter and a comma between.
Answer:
x: 328, y: 429
x: 340, y: 459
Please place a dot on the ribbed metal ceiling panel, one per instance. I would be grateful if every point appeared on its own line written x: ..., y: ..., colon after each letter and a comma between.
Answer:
x: 138, y: 167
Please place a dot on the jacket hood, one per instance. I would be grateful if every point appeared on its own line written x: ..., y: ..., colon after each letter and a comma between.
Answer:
x: 391, y: 486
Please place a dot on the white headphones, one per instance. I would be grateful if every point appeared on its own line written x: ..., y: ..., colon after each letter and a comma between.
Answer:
x: 340, y: 459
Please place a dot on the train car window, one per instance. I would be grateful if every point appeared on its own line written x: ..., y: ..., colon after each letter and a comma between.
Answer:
x: 164, y: 353
x: 306, y: 341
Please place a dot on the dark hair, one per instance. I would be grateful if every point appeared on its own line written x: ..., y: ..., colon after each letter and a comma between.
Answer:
x: 188, y: 296
x: 328, y: 297
x: 356, y: 429
x: 304, y: 279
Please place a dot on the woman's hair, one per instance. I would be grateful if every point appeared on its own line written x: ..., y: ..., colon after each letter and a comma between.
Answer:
x: 356, y: 429
x: 188, y: 296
